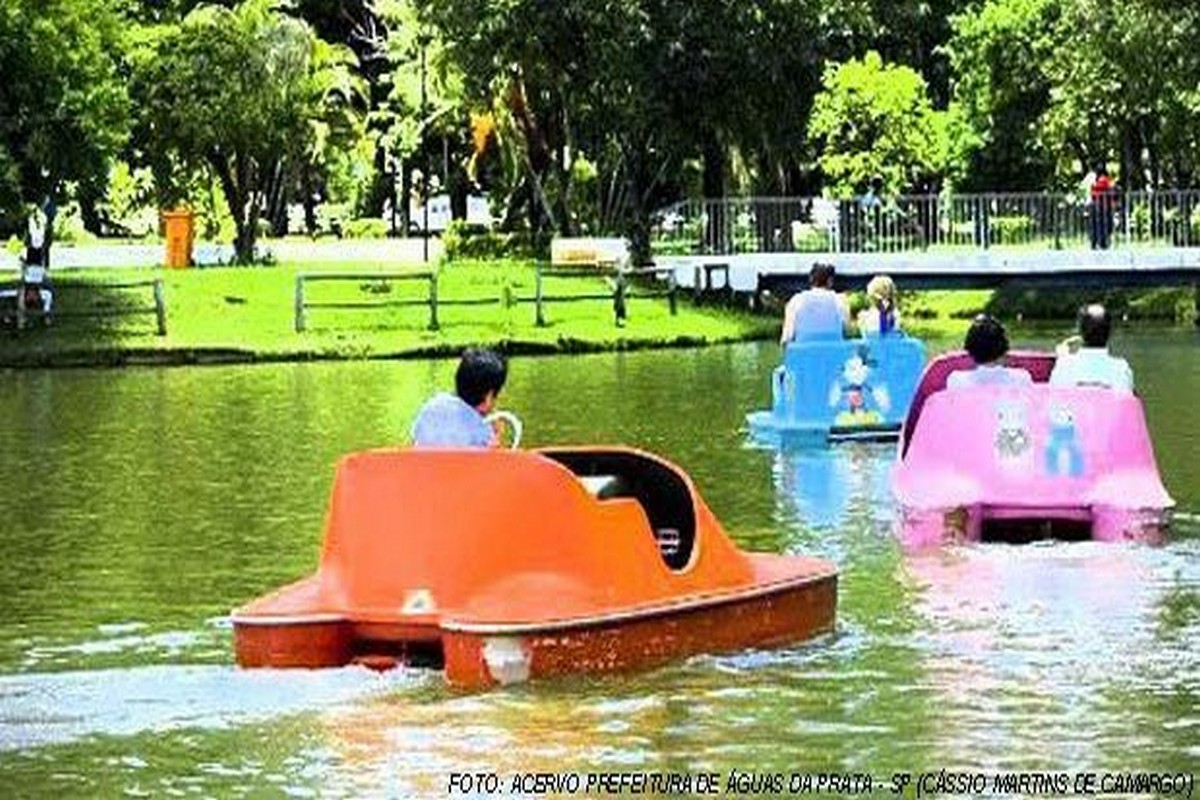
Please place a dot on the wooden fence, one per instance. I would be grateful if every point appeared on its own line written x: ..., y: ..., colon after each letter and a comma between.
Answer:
x: 619, y: 292
x: 619, y: 283
x: 24, y: 315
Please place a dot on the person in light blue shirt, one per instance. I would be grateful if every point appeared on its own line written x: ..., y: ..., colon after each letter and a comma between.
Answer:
x: 987, y: 344
x: 1092, y: 364
x: 458, y: 420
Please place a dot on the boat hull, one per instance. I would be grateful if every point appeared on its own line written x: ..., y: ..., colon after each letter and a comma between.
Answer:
x: 479, y: 657
x: 482, y: 655
x: 768, y: 428
x: 928, y: 528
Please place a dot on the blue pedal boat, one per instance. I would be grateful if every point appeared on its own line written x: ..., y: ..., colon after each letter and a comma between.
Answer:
x: 832, y: 389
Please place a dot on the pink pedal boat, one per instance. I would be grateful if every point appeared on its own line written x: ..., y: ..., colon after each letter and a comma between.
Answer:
x: 1018, y: 463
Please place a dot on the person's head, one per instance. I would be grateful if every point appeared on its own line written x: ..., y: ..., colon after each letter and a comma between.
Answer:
x: 1101, y: 168
x: 480, y: 377
x: 1094, y: 326
x: 876, y: 183
x: 821, y: 276
x: 986, y: 340
x: 881, y: 291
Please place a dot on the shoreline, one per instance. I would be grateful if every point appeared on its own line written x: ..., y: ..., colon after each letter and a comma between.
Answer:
x: 224, y: 356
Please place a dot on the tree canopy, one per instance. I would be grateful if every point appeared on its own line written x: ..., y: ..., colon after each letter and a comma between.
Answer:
x: 579, y: 115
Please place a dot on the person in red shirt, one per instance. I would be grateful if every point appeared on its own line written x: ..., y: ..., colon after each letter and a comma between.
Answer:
x: 1103, y: 189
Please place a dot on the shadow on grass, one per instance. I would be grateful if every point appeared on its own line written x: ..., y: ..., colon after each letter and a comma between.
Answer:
x: 91, y: 321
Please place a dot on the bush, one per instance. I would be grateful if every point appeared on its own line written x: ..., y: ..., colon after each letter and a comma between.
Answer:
x: 1017, y: 229
x: 466, y: 241
x: 367, y: 228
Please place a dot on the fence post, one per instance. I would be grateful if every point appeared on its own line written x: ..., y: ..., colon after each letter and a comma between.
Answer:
x: 433, y: 301
x: 537, y: 294
x: 21, y: 302
x: 672, y: 291
x: 160, y: 307
x: 299, y: 304
x: 620, y: 312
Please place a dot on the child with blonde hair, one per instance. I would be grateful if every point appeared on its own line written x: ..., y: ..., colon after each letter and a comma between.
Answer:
x: 882, y: 317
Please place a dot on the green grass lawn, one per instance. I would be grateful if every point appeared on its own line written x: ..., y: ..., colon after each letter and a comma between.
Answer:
x: 249, y: 314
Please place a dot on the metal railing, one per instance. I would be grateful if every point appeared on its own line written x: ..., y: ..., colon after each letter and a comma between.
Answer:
x: 905, y: 223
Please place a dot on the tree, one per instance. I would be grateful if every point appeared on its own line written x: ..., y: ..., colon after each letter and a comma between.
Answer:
x: 1124, y: 82
x: 251, y: 94
x: 875, y: 119
x: 998, y: 54
x: 64, y: 111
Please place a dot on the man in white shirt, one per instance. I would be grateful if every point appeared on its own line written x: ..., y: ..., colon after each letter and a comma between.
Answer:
x: 818, y: 312
x: 987, y: 343
x: 1092, y: 364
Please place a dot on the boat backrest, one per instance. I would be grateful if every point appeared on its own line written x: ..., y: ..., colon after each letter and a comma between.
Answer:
x: 443, y: 527
x: 814, y: 380
x: 1031, y: 445
x: 933, y: 379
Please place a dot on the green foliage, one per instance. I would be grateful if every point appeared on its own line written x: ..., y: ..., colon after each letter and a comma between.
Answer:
x: 463, y: 241
x: 1015, y: 229
x: 64, y: 111
x: 998, y: 54
x: 367, y: 228
x: 876, y: 119
x: 249, y: 93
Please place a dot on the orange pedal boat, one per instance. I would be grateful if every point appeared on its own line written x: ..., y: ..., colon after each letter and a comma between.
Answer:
x: 500, y: 566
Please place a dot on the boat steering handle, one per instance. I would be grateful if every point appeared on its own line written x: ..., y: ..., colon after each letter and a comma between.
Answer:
x: 513, y: 421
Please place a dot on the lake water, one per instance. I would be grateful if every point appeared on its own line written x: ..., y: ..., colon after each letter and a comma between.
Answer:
x: 141, y: 505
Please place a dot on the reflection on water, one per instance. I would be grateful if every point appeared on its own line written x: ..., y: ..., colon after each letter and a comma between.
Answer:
x: 166, y: 497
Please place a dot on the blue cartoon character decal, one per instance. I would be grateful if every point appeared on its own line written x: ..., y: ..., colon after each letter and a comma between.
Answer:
x: 1063, y: 453
x: 857, y: 401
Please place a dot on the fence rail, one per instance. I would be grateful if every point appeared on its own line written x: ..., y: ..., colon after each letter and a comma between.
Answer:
x: 619, y: 292
x: 730, y: 226
x: 619, y: 282
x: 16, y: 292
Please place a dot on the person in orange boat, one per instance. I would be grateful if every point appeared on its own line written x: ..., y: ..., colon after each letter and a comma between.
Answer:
x: 987, y: 344
x: 458, y: 420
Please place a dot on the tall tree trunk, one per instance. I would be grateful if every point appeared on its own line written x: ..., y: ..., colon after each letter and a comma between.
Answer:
x: 239, y: 198
x: 713, y: 155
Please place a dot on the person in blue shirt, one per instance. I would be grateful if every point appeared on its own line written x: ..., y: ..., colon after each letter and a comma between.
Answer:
x: 458, y: 420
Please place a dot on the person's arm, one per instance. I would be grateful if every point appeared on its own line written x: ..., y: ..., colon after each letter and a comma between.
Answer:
x: 789, y: 319
x: 848, y: 329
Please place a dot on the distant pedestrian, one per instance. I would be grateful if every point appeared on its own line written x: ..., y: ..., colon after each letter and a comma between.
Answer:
x: 1103, y: 191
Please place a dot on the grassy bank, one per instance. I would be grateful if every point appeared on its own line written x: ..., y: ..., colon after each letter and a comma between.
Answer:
x: 234, y: 314
x: 219, y: 315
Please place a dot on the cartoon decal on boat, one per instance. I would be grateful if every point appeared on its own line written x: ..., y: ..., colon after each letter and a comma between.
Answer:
x: 500, y: 566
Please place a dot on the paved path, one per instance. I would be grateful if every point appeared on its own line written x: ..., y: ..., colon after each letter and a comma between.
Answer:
x: 359, y: 251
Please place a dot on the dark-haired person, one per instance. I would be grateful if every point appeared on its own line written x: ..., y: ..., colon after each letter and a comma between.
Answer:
x: 818, y: 312
x: 987, y: 344
x: 457, y: 420
x: 1092, y: 364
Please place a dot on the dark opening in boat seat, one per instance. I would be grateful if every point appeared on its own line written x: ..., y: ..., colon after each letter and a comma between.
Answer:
x: 662, y: 493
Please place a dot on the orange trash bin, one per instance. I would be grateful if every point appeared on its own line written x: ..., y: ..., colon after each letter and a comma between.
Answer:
x: 179, y: 227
